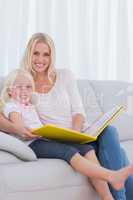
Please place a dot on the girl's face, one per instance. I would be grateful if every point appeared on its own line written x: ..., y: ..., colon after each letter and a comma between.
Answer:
x: 21, y: 90
x: 41, y: 57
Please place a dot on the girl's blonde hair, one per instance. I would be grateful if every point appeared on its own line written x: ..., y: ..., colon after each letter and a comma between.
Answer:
x: 26, y: 62
x: 5, y: 97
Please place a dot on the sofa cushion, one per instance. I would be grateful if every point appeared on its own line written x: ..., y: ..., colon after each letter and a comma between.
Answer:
x: 6, y: 158
x: 112, y: 93
x: 91, y: 105
x: 15, y: 146
x: 2, y: 79
x: 43, y: 174
x: 128, y: 146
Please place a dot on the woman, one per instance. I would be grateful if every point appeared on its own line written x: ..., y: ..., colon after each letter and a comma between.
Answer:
x: 58, y: 102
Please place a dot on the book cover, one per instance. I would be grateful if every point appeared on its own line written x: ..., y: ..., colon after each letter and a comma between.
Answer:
x: 90, y: 134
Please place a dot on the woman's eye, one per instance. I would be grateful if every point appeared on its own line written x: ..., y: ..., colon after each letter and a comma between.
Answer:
x: 46, y: 55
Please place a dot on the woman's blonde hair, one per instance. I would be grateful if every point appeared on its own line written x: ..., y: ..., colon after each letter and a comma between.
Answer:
x: 26, y: 62
x: 5, y: 97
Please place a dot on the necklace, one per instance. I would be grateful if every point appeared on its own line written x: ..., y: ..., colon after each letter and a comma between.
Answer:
x: 44, y: 87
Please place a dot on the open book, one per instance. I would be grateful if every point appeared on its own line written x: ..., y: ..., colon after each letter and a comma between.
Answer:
x: 90, y: 134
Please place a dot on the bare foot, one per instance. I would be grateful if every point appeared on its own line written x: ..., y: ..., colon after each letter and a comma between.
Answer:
x: 119, y: 177
x: 108, y: 198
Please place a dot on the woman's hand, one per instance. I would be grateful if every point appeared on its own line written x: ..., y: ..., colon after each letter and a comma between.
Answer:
x: 25, y: 133
x: 77, y: 122
x: 29, y: 135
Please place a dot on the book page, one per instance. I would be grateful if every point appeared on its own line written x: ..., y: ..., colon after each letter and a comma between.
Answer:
x: 97, y: 125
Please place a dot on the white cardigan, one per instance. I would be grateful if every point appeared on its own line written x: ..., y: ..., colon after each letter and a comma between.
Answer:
x: 61, y: 102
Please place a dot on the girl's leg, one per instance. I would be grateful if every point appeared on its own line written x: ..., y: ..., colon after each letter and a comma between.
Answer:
x: 49, y: 149
x: 100, y: 186
x: 110, y: 155
x: 115, y: 178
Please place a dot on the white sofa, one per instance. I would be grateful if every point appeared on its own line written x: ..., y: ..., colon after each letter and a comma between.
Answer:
x: 52, y: 179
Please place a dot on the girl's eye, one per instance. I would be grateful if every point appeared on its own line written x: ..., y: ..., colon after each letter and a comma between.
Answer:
x: 17, y: 87
x: 20, y: 87
x: 29, y: 86
x: 36, y: 53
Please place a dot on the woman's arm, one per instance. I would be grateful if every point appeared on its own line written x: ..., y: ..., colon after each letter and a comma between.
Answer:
x: 77, y: 109
x: 77, y: 122
x: 16, y: 119
x: 6, y: 125
x: 10, y: 127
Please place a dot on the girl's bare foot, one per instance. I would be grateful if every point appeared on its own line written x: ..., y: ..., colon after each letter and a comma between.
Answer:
x: 119, y: 177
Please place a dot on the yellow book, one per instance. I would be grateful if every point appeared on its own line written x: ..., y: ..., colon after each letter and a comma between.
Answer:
x: 90, y: 134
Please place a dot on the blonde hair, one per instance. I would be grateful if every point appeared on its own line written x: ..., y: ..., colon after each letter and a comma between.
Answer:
x: 5, y: 97
x: 26, y: 62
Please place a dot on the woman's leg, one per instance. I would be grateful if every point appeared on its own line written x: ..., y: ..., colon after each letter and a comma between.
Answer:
x: 129, y: 182
x: 110, y: 155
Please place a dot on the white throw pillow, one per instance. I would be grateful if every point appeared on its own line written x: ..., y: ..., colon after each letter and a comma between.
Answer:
x: 17, y: 147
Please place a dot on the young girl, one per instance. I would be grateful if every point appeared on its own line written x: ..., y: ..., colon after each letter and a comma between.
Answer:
x: 18, y: 108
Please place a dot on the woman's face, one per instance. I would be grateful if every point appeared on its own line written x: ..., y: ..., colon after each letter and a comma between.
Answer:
x: 41, y: 57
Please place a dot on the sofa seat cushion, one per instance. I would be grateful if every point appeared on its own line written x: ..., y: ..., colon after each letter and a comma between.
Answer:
x: 128, y: 146
x: 44, y: 179
x: 6, y: 157
x: 40, y: 175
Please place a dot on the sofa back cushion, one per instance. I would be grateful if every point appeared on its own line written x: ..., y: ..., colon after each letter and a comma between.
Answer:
x: 112, y: 93
x: 91, y: 105
x: 1, y: 82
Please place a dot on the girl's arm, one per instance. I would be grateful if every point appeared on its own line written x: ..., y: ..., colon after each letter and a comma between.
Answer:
x: 77, y: 122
